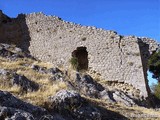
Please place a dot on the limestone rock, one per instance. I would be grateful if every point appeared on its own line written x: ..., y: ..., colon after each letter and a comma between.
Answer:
x: 44, y: 70
x: 57, y: 75
x: 72, y: 104
x: 5, y: 53
x: 8, y: 113
x: 24, y: 83
x: 39, y: 69
x: 119, y: 96
x: 8, y: 100
x: 12, y: 52
x: 54, y: 71
x: 88, y: 86
x: 107, y: 95
x: 11, y: 78
x: 4, y: 72
x: 66, y: 99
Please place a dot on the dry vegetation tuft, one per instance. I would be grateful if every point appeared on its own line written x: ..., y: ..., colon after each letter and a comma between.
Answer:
x: 23, y: 67
x: 40, y: 97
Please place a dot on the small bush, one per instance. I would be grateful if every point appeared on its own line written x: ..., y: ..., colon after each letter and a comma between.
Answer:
x: 156, y: 90
x: 74, y: 63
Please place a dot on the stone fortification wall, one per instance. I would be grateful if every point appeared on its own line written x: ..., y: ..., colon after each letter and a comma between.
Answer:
x: 115, y: 57
x: 14, y: 31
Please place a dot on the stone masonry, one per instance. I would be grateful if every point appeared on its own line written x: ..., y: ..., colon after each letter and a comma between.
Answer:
x: 49, y: 38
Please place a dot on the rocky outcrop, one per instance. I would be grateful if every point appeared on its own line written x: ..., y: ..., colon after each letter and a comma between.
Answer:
x: 24, y: 83
x: 120, y: 96
x: 44, y: 70
x: 7, y: 113
x: 86, y: 85
x: 12, y: 107
x: 65, y: 105
x: 11, y: 52
x: 4, y: 73
x: 72, y: 105
x: 13, y: 79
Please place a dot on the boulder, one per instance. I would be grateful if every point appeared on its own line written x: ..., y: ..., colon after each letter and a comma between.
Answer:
x: 120, y: 96
x: 66, y: 100
x: 56, y: 74
x: 44, y: 70
x: 24, y: 83
x: 5, y: 46
x: 88, y: 86
x: 54, y: 71
x: 9, y: 101
x: 5, y: 53
x: 4, y: 72
x: 11, y: 52
x: 39, y: 69
x: 72, y: 105
x: 8, y: 113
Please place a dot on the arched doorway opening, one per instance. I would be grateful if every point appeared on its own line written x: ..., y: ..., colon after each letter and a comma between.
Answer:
x: 81, y: 55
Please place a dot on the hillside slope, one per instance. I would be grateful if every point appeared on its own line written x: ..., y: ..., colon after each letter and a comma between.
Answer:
x: 33, y: 89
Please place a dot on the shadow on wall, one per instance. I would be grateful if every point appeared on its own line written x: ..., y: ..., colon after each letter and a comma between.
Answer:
x: 145, y: 54
x: 14, y: 31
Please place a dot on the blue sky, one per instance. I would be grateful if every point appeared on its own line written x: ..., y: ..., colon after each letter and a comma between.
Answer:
x: 127, y: 17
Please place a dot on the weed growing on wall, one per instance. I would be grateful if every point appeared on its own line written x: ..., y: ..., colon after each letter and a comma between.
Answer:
x: 74, y: 63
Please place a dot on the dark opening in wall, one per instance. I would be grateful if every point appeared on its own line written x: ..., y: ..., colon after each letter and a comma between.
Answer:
x: 82, y: 57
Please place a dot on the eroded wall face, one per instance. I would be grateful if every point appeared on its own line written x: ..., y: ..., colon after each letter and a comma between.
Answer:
x: 14, y: 31
x: 10, y: 32
x: 114, y: 57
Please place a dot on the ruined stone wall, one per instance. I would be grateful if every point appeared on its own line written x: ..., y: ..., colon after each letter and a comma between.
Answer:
x: 147, y: 46
x: 115, y: 57
x: 14, y: 31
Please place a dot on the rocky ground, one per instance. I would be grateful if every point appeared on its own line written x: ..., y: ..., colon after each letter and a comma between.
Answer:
x: 34, y: 90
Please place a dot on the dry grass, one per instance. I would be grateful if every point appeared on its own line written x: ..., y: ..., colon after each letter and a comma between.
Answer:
x: 14, y: 89
x: 47, y: 88
x: 134, y: 113
x: 150, y: 112
x: 15, y: 65
x: 21, y: 63
x: 33, y: 75
x: 43, y: 64
x: 40, y: 97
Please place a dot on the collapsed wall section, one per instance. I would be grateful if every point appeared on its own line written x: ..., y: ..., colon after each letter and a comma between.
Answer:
x: 14, y: 31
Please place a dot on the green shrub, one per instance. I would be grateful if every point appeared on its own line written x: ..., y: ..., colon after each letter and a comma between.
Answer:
x: 154, y: 65
x: 74, y: 63
x: 156, y: 90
